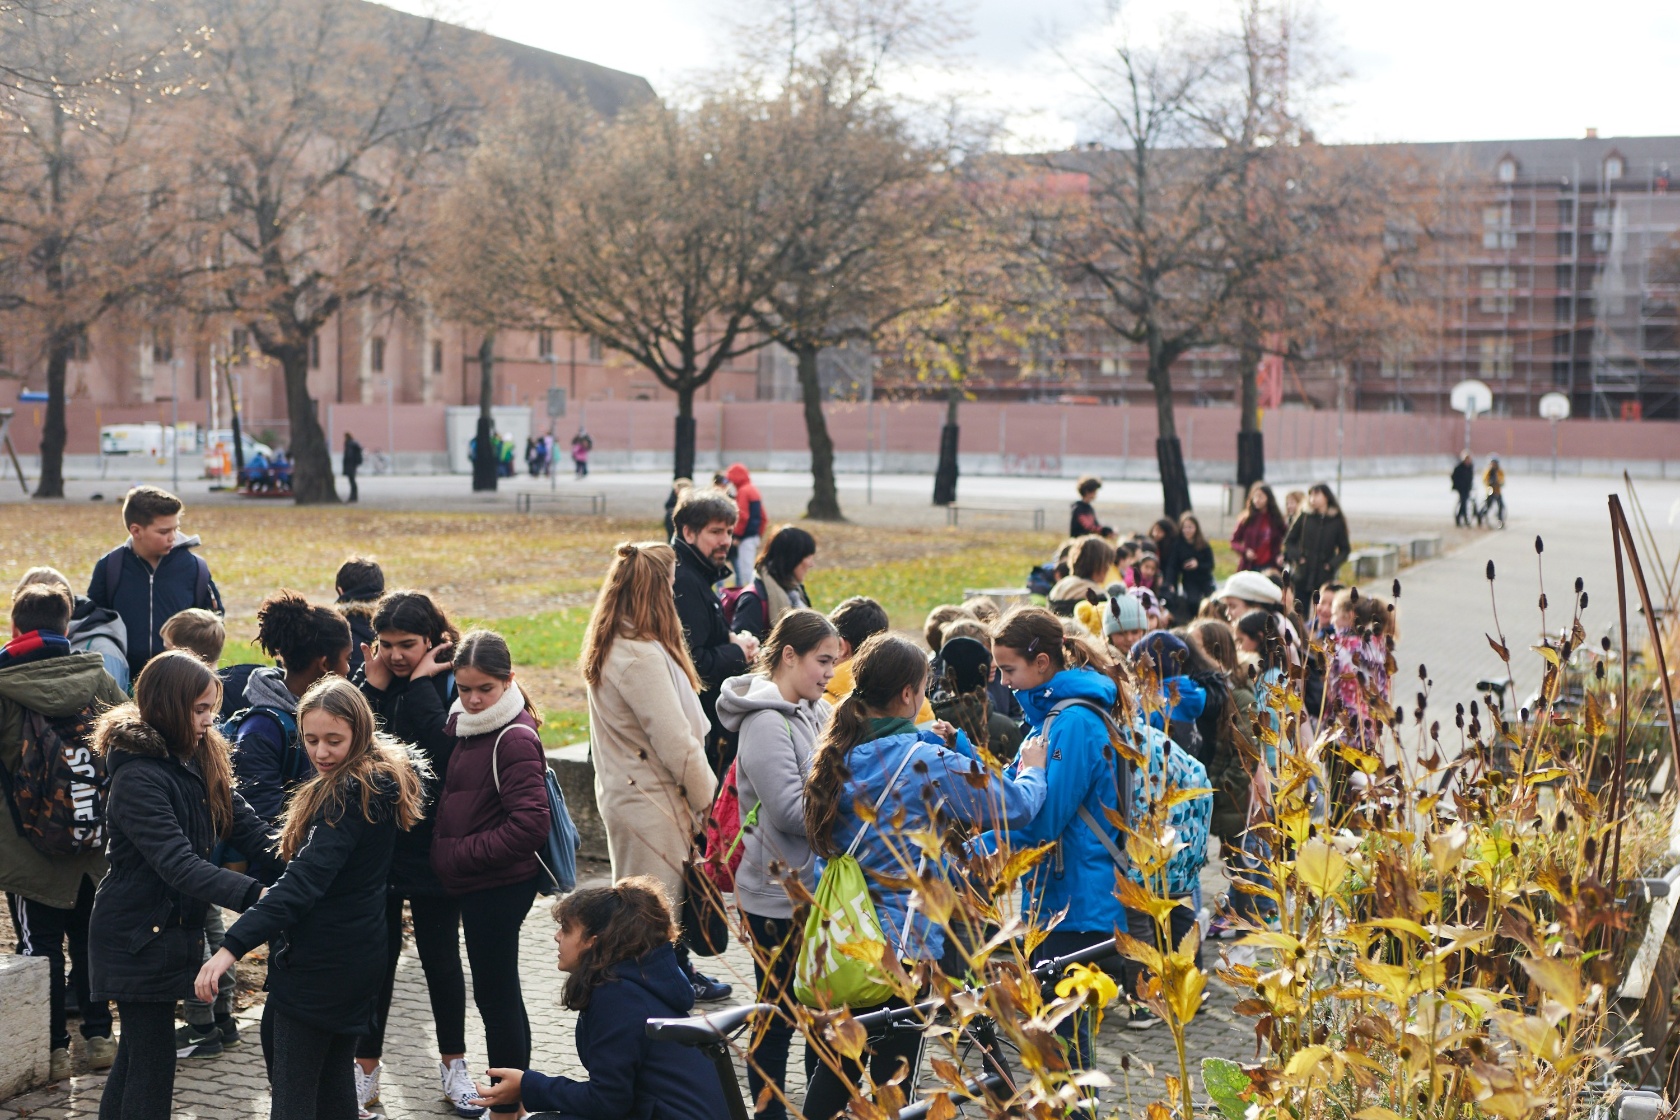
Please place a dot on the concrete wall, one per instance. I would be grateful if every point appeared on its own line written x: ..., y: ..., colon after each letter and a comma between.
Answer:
x: 26, y: 1054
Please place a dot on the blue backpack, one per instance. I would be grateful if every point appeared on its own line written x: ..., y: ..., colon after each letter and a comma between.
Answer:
x: 295, y: 767
x: 558, y: 854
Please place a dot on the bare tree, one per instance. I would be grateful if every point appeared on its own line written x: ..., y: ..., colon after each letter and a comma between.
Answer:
x: 89, y: 218
x: 323, y: 126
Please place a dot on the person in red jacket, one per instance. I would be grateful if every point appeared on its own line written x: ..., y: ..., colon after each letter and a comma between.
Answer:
x: 492, y: 818
x: 1258, y: 537
x: 750, y: 520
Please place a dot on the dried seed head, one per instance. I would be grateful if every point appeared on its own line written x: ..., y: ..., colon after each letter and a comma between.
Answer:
x: 1580, y: 585
x: 1604, y: 643
x: 1397, y: 589
x: 1583, y: 600
x: 1423, y: 673
x: 1539, y: 545
x: 1490, y: 570
x: 1542, y: 600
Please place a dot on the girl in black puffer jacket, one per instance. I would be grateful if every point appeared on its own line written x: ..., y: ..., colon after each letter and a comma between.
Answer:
x: 171, y: 799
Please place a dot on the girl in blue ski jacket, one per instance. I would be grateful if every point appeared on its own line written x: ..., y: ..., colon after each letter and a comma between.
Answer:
x: 871, y: 753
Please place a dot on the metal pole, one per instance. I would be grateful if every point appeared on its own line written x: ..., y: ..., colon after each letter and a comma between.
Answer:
x: 553, y: 421
x: 1554, y: 449
x: 391, y: 423
x: 869, y: 438
x: 175, y: 425
x: 1341, y: 418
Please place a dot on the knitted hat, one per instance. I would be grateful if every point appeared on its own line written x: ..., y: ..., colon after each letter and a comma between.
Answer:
x: 1250, y: 587
x: 1164, y: 650
x: 1124, y: 613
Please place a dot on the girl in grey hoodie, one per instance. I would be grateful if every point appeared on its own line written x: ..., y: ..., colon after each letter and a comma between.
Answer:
x: 779, y: 712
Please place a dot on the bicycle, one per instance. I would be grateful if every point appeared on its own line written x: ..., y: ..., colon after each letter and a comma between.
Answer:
x: 982, y: 1049
x: 1484, y: 511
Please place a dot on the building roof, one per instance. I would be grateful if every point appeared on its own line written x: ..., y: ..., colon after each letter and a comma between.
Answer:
x: 1642, y: 156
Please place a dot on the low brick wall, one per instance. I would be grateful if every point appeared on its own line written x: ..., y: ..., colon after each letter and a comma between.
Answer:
x: 25, y: 1057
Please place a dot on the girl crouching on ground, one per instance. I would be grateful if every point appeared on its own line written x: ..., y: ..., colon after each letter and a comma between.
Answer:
x: 325, y: 918
x: 617, y: 946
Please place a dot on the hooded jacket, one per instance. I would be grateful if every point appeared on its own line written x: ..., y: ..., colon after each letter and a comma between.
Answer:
x: 749, y: 504
x: 415, y: 712
x: 147, y: 597
x: 631, y: 1076
x: 146, y: 936
x: 1230, y: 767
x: 776, y: 740
x: 55, y: 686
x: 324, y: 919
x: 96, y: 629
x: 487, y: 837
x: 1079, y: 876
x: 935, y: 786
x: 268, y: 761
x: 716, y: 658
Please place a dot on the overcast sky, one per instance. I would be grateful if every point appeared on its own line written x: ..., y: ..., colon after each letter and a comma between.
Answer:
x: 1422, y: 70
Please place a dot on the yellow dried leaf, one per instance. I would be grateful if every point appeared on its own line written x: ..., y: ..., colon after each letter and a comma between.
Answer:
x: 1401, y: 925
x: 1319, y: 867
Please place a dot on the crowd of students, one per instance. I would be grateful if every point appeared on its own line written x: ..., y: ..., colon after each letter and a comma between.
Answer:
x: 387, y: 763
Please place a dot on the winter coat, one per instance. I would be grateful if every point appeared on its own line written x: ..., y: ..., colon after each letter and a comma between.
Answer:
x: 1314, y: 548
x: 1070, y: 590
x: 416, y: 712
x: 716, y: 658
x: 632, y: 1077
x: 1193, y: 584
x: 1170, y: 771
x: 1230, y: 767
x: 352, y: 455
x: 96, y: 629
x: 359, y: 614
x: 1211, y: 724
x: 776, y: 740
x: 1463, y: 477
x: 1082, y: 519
x: 54, y: 686
x: 324, y: 919
x: 484, y: 837
x: 754, y: 613
x: 749, y: 505
x: 1256, y: 532
x: 146, y: 936
x: 268, y: 761
x: 647, y: 742
x: 147, y: 597
x: 1078, y: 877
x: 937, y: 786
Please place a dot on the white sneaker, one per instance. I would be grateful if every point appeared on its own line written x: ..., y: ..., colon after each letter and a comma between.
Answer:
x: 458, y: 1088
x: 367, y: 1084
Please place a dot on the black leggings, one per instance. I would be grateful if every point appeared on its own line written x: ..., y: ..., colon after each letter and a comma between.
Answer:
x: 142, y: 1081
x: 775, y: 941
x: 309, y: 1069
x: 437, y: 935
x: 491, y: 920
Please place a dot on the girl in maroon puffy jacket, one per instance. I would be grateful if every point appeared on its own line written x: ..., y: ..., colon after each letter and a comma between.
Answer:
x: 492, y: 818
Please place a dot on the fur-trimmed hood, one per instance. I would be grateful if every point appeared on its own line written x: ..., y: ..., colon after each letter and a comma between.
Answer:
x: 361, y: 609
x: 122, y: 731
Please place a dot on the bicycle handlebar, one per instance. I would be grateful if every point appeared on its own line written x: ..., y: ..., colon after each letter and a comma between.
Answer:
x: 703, y: 1030
x: 1043, y: 970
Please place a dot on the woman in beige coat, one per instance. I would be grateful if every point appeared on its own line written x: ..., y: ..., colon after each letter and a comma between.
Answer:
x: 647, y: 731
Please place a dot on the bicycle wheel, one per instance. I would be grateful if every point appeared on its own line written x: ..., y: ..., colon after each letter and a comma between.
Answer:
x: 979, y: 1050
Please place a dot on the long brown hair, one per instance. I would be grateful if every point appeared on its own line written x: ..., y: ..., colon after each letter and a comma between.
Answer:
x: 1031, y: 631
x: 1274, y: 512
x: 377, y: 762
x: 487, y: 651
x: 636, y: 602
x: 1216, y: 640
x: 801, y: 631
x: 165, y: 692
x: 628, y: 920
x: 885, y: 666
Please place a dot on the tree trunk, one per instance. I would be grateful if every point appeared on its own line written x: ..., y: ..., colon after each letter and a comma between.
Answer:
x: 312, y: 473
x: 1175, y: 488
x: 825, y: 496
x: 484, y: 445
x: 1251, y: 442
x: 53, y: 434
x: 682, y: 462
x: 238, y: 440
x: 945, y: 476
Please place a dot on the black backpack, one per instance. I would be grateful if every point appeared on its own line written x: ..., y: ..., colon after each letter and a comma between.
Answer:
x: 57, y: 794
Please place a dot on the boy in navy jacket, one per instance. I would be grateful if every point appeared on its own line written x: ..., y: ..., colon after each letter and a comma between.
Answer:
x: 153, y: 575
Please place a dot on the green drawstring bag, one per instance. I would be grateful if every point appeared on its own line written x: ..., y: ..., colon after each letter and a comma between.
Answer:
x: 840, y: 959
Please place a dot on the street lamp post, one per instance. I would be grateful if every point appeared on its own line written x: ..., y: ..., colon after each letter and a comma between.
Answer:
x: 390, y: 425
x: 175, y: 425
x: 553, y: 430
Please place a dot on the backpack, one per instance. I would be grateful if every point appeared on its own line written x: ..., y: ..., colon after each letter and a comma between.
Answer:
x: 829, y: 973
x: 295, y: 766
x: 731, y: 600
x: 114, y: 571
x: 58, y: 791
x: 723, y: 833
x: 1041, y: 578
x: 558, y: 854
x: 1122, y: 780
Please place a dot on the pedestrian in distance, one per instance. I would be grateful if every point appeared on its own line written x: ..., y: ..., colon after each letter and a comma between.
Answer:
x: 778, y: 714
x: 324, y: 919
x: 352, y: 462
x: 170, y: 800
x: 152, y: 575
x: 647, y: 729
x: 492, y: 819
x: 93, y: 629
x: 704, y: 521
x: 750, y: 520
x: 1494, y: 479
x: 1188, y: 568
x: 779, y: 583
x: 872, y: 754
x: 582, y: 445
x: 1463, y: 482
x: 679, y: 487
x: 408, y: 682
x: 1258, y: 537
x: 1082, y: 520
x: 617, y: 948
x: 1316, y: 545
x: 48, y: 687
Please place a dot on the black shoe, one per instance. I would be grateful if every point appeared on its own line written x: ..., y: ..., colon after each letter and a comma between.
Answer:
x: 707, y: 990
x: 230, y: 1031
x: 197, y: 1042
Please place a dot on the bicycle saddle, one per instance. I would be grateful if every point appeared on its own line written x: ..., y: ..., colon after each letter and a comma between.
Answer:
x: 699, y: 1030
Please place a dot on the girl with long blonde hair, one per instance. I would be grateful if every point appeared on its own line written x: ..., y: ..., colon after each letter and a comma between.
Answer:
x: 325, y: 918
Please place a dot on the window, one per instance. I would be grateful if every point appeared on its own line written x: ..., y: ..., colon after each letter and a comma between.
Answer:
x: 1497, y: 284
x: 594, y: 349
x: 1565, y: 243
x: 239, y: 345
x: 314, y: 351
x: 1507, y: 170
x: 437, y: 355
x: 1604, y: 218
x: 1496, y: 227
x: 545, y: 343
x: 1561, y: 311
x: 1565, y: 211
x: 1612, y: 168
x: 1495, y: 358
x: 1562, y: 343
x: 163, y: 347
x: 376, y: 356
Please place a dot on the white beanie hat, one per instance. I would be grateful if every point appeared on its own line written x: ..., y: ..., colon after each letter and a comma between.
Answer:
x: 1251, y: 587
x: 1124, y: 613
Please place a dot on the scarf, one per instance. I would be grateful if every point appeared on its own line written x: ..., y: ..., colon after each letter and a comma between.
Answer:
x: 493, y: 718
x: 36, y: 645
x: 267, y: 687
x: 890, y: 725
x: 777, y: 600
